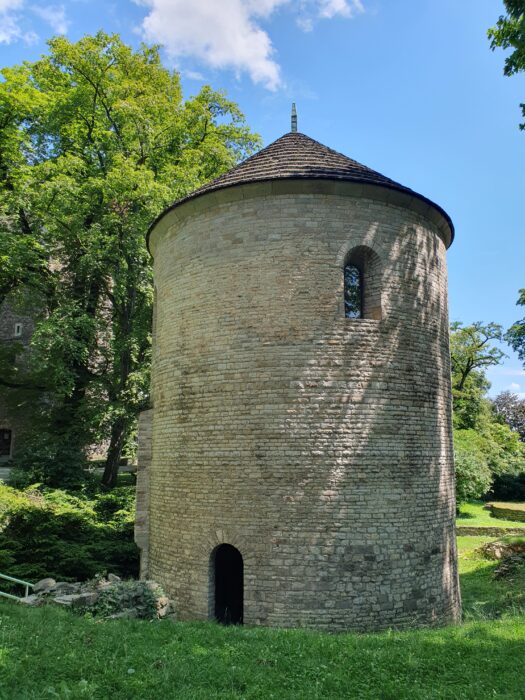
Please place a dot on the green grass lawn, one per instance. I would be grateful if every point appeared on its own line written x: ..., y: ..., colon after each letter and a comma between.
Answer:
x: 482, y: 596
x: 472, y: 514
x: 49, y: 653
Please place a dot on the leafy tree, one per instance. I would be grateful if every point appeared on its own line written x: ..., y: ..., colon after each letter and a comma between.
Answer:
x: 512, y: 410
x: 472, y: 351
x: 473, y: 474
x: 484, y: 444
x: 96, y: 141
x: 515, y: 336
x: 509, y: 32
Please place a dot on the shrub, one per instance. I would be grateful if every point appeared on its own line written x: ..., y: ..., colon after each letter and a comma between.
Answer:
x: 117, y: 505
x: 508, y: 487
x: 45, y: 460
x: 138, y: 596
x: 49, y: 532
x: 473, y: 474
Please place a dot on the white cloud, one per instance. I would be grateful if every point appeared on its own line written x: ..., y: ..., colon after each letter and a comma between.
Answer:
x: 228, y: 34
x: 54, y: 15
x: 305, y: 23
x: 194, y: 75
x: 10, y: 5
x: 10, y: 29
x: 11, y: 23
x: 345, y: 8
x: 220, y: 34
x: 514, y: 387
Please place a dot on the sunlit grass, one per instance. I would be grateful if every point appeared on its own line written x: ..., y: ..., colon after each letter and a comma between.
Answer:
x: 49, y: 653
x: 473, y: 514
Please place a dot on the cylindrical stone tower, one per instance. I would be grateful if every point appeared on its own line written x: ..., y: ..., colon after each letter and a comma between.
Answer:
x: 301, y: 469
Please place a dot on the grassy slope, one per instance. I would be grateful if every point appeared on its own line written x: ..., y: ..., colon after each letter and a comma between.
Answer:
x: 482, y: 596
x: 48, y: 653
x: 472, y: 514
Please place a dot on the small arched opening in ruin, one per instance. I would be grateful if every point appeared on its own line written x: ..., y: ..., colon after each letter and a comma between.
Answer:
x: 227, y: 585
x: 362, y: 283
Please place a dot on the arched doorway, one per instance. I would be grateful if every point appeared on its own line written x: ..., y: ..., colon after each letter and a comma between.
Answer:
x: 227, y: 581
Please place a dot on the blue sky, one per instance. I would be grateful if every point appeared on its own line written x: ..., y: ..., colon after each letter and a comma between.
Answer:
x: 409, y: 88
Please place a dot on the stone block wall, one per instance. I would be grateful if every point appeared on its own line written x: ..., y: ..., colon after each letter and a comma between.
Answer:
x: 9, y: 419
x: 318, y: 446
x: 142, y: 489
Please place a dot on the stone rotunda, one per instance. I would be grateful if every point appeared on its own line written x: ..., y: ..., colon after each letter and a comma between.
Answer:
x: 296, y: 467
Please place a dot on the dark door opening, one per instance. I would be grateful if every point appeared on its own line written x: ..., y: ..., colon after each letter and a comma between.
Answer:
x: 228, y: 578
x: 5, y: 442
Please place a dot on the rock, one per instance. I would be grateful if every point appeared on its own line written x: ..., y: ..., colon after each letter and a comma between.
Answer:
x: 33, y: 600
x: 77, y: 600
x: 501, y: 550
x: 128, y: 614
x: 113, y: 578
x: 164, y: 607
x: 152, y: 585
x: 65, y: 588
x: 84, y: 599
x: 103, y: 583
x: 62, y: 600
x: 44, y: 585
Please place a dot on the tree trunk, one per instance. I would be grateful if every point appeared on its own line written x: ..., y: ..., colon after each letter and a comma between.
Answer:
x: 118, y: 436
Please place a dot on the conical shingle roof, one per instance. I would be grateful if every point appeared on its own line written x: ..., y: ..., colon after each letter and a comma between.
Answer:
x: 296, y: 156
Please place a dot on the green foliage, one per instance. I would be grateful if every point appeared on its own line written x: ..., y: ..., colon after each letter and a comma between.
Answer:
x: 509, y: 33
x: 485, y: 445
x: 511, y: 410
x: 472, y: 351
x: 126, y: 595
x: 482, y: 454
x: 483, y: 596
x: 42, y: 459
x: 515, y: 336
x: 97, y: 139
x: 49, y: 532
x: 473, y: 474
x: 508, y: 487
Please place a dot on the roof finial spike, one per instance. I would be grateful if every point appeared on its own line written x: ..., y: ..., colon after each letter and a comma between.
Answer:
x: 294, y: 118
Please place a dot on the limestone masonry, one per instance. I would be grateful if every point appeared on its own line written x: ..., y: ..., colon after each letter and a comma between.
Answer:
x: 318, y: 447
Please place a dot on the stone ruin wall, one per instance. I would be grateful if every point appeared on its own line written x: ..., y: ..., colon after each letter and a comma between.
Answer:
x: 145, y: 427
x: 317, y: 445
x: 10, y: 419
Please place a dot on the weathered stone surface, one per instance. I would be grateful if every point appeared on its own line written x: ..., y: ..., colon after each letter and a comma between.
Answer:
x: 14, y: 421
x: 490, y: 531
x: 319, y: 446
x: 142, y: 489
x: 77, y: 600
x: 65, y: 588
x: 128, y: 614
x: 45, y: 584
x: 33, y: 600
x: 501, y: 550
x: 499, y: 510
x: 87, y: 594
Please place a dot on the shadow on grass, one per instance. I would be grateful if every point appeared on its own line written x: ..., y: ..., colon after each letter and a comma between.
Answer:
x: 485, y: 598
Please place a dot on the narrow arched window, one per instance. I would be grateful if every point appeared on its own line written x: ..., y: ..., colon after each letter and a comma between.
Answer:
x: 362, y: 274
x: 353, y: 291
